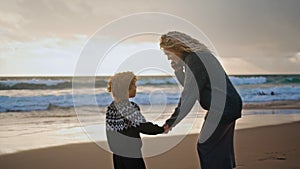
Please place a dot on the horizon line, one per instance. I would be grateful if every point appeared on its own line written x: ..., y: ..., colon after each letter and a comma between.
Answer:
x: 162, y: 75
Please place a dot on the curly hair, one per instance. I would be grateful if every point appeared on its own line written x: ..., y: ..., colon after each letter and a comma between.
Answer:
x: 120, y: 84
x: 181, y: 42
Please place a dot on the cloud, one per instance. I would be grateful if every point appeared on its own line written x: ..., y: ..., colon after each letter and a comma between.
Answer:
x: 56, y: 56
x: 55, y: 47
x: 11, y: 19
x: 41, y: 56
x: 295, y: 58
x: 236, y: 65
x: 259, y: 33
x: 11, y: 24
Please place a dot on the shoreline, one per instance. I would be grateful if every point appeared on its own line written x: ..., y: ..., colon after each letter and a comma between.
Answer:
x: 33, y: 130
x: 268, y: 147
x: 287, y: 104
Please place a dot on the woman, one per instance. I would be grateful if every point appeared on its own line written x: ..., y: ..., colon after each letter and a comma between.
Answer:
x: 187, y: 57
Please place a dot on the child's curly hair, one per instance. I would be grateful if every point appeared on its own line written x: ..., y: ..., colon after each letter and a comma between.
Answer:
x: 120, y: 84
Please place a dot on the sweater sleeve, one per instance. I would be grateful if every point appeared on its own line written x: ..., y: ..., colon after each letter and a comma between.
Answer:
x: 150, y: 128
x: 188, y: 98
x: 180, y: 76
x: 191, y: 89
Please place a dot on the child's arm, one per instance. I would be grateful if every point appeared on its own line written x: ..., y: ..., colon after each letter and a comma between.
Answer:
x: 150, y: 128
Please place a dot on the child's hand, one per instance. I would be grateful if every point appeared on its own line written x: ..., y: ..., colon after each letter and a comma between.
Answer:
x: 167, y: 128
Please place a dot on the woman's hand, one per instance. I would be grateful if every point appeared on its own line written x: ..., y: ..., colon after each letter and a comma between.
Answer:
x: 176, y: 66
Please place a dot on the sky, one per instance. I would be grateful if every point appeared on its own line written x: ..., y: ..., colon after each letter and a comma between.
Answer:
x: 46, y: 37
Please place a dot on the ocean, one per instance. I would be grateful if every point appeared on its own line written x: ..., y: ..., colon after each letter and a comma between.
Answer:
x: 26, y: 94
x: 38, y: 112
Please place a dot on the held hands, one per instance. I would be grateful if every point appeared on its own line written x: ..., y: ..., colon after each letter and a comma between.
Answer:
x: 167, y: 128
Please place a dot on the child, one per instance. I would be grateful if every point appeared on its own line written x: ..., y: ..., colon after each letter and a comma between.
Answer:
x: 124, y: 123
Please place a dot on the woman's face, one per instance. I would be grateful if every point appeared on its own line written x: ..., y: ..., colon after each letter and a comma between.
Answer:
x: 174, y: 56
x: 132, y: 91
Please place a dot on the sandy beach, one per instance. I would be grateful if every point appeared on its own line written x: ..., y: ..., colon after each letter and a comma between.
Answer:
x: 270, y: 147
x: 266, y: 137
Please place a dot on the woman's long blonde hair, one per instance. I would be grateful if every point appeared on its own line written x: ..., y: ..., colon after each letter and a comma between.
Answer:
x: 181, y: 42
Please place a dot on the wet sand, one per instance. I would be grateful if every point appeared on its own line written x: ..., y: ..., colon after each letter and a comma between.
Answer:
x: 269, y: 147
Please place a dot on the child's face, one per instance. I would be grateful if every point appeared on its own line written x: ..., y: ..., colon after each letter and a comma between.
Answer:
x: 132, y: 91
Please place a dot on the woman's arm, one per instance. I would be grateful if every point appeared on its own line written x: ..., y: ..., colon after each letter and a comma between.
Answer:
x: 191, y: 89
x: 180, y: 76
x: 188, y: 98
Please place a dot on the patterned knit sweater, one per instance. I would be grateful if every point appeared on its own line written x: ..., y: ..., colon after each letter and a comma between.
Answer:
x: 124, y: 123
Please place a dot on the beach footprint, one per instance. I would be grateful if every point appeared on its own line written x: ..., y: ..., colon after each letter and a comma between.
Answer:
x: 274, y: 156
